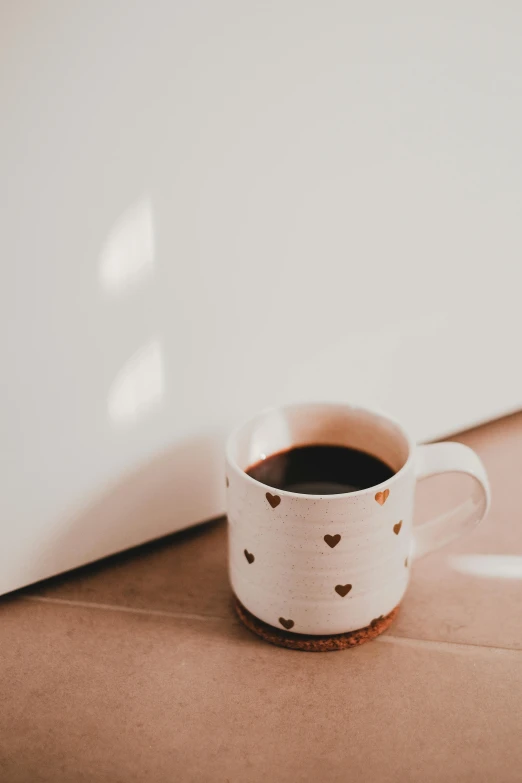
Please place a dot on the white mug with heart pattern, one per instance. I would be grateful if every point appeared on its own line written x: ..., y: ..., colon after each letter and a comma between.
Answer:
x: 335, y: 564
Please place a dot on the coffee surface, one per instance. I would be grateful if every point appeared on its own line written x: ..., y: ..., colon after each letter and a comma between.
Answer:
x: 321, y: 470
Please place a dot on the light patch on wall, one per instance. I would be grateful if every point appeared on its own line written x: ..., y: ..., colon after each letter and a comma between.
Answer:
x: 138, y: 387
x: 127, y: 256
x: 488, y: 566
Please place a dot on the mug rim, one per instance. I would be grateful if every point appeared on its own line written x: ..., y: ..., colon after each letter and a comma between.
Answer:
x: 322, y: 404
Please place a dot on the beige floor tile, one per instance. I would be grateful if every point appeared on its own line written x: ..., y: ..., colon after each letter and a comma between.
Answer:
x: 93, y: 695
x: 187, y: 572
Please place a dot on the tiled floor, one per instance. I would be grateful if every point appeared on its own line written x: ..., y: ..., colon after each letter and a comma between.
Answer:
x: 136, y: 668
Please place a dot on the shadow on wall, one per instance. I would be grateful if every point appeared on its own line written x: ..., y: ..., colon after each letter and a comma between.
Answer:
x: 185, y: 482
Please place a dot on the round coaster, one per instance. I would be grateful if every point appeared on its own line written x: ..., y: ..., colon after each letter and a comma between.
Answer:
x: 312, y: 643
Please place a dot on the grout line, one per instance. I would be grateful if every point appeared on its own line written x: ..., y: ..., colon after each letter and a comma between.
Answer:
x: 464, y: 647
x: 117, y: 608
x: 407, y: 641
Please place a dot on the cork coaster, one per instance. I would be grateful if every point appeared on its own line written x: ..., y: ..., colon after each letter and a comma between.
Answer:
x: 312, y: 643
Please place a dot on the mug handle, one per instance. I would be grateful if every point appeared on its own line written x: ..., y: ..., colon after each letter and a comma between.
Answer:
x: 434, y: 459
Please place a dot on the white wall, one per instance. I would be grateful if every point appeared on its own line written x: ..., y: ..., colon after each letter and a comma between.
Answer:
x: 207, y: 207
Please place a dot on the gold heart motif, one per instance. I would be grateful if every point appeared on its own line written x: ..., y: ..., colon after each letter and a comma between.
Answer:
x: 332, y: 540
x: 382, y: 497
x: 286, y: 623
x: 397, y: 528
x: 249, y: 557
x: 343, y: 590
x: 274, y: 500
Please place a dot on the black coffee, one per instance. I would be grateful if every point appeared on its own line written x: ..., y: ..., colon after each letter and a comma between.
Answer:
x: 321, y: 470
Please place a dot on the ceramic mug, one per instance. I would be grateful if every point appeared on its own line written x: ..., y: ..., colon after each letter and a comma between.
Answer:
x: 335, y: 564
